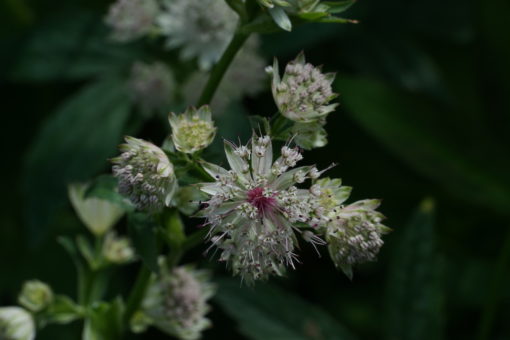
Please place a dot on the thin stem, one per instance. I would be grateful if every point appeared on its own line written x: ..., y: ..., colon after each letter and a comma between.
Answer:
x: 490, y: 307
x: 137, y: 294
x: 221, y: 67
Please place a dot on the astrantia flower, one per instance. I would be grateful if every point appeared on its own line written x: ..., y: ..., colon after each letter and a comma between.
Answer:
x: 354, y: 231
x: 117, y: 249
x: 255, y: 208
x: 176, y: 301
x: 151, y: 86
x: 132, y: 19
x: 145, y: 174
x: 35, y: 295
x: 193, y: 130
x: 245, y: 76
x: 201, y: 28
x: 16, y: 324
x: 304, y: 92
x: 98, y: 215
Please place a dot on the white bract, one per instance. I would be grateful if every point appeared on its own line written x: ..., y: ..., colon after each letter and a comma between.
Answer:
x: 16, y: 324
x: 201, y: 28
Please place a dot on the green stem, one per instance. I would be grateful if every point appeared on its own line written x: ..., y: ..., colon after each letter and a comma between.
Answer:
x: 490, y: 307
x: 137, y: 294
x: 221, y: 67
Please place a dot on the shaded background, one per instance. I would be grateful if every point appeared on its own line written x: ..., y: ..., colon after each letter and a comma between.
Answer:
x: 424, y: 115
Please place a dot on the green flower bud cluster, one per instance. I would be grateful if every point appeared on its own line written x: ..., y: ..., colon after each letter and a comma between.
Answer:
x: 117, y: 249
x: 16, y: 324
x: 192, y: 130
x: 35, y: 296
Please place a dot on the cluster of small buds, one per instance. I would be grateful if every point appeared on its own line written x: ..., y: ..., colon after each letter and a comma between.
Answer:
x: 98, y: 215
x: 35, y: 296
x: 151, y: 86
x: 193, y: 130
x: 117, y: 249
x: 304, y: 92
x: 201, y: 28
x: 176, y: 301
x: 132, y: 19
x: 146, y: 175
x: 16, y: 324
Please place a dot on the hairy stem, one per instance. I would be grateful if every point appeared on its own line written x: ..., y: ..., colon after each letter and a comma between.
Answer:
x: 490, y: 307
x: 221, y: 67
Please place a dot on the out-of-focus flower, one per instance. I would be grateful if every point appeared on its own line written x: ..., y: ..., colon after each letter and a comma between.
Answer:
x: 35, y: 296
x: 245, y: 76
x: 151, y: 86
x: 97, y: 214
x: 304, y: 92
x: 117, y: 249
x: 132, y: 19
x: 192, y: 130
x: 16, y: 324
x: 176, y: 301
x: 255, y: 207
x: 353, y: 232
x: 201, y: 28
x: 145, y: 174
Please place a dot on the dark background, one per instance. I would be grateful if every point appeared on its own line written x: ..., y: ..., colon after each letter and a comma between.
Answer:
x: 424, y: 115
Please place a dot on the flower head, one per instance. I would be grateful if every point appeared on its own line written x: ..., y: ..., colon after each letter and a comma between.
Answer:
x: 202, y: 28
x: 304, y: 92
x: 255, y: 208
x: 176, y: 301
x: 35, y: 296
x: 131, y: 19
x: 145, y: 174
x: 193, y: 130
x: 16, y: 324
x: 354, y: 231
x: 97, y: 214
x: 151, y: 86
x: 117, y: 249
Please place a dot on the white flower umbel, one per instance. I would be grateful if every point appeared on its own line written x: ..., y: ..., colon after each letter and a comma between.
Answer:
x: 145, y: 174
x: 132, y: 19
x: 16, y: 324
x: 201, y: 28
x: 151, y: 86
x: 97, y: 214
x: 192, y: 130
x: 117, y: 249
x: 255, y: 208
x: 354, y: 231
x: 176, y: 301
x: 35, y: 296
x: 304, y: 92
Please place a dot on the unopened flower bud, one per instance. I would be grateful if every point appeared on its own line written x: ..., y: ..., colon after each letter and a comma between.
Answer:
x: 176, y: 302
x: 193, y: 130
x: 35, y: 296
x: 16, y: 324
x: 117, y: 249
x: 97, y: 214
x: 145, y: 174
x: 304, y: 92
x: 309, y: 135
x: 131, y: 19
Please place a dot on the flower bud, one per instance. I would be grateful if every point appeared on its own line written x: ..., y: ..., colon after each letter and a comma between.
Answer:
x: 117, y: 250
x: 131, y: 19
x: 145, y: 174
x: 201, y: 28
x: 304, y: 92
x: 193, y: 130
x: 16, y: 324
x: 309, y: 135
x: 35, y: 296
x: 98, y: 215
x: 176, y: 302
x: 151, y: 86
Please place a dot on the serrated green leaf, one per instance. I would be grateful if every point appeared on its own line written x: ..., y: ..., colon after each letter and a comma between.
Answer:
x: 104, y: 321
x: 266, y: 312
x: 414, y: 292
x: 73, y: 145
x: 142, y: 231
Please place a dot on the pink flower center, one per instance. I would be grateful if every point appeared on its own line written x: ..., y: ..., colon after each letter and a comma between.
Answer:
x: 258, y: 200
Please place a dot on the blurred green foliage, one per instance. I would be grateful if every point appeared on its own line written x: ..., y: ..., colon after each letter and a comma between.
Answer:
x: 425, y: 112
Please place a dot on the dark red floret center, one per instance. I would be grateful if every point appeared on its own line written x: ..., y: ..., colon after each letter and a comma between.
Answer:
x: 258, y: 200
